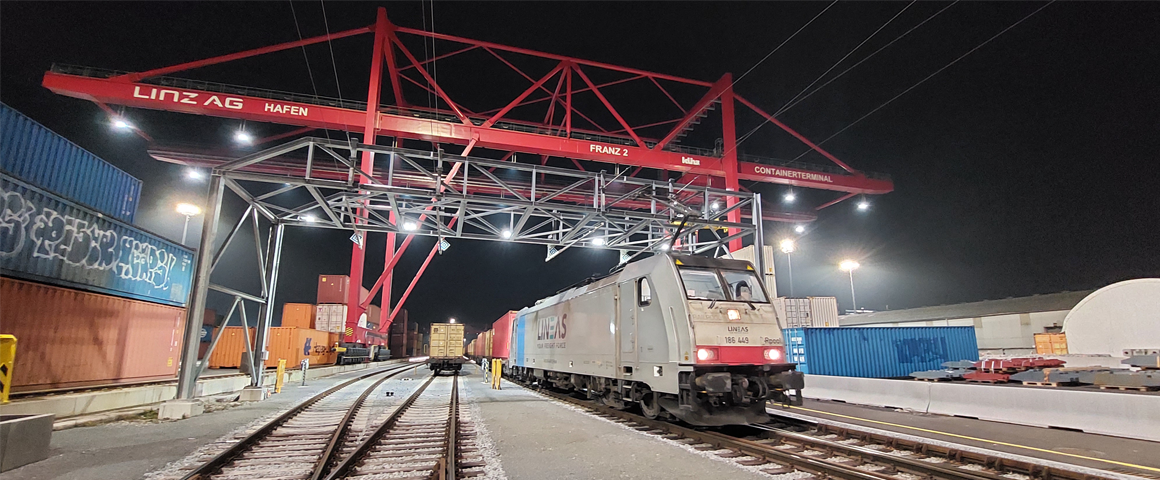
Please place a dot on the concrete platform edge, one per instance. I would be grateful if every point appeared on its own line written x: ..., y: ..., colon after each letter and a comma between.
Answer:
x: 1106, y: 413
x: 84, y: 403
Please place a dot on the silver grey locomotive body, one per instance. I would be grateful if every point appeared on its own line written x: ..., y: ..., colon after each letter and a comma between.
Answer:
x: 692, y: 337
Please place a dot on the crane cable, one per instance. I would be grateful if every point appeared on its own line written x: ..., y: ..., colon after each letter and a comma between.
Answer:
x: 928, y: 77
x: 828, y: 70
x: 782, y: 44
x: 333, y: 65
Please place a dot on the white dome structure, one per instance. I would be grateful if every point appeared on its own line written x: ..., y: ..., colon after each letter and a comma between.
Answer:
x: 1118, y: 317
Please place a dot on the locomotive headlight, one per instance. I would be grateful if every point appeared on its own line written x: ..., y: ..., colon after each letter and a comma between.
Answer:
x: 772, y: 354
x: 734, y: 314
x: 704, y: 354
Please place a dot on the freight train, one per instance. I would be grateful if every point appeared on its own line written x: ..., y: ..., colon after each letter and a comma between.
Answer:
x: 686, y: 337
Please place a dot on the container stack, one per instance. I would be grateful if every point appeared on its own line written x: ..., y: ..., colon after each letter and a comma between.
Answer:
x: 878, y: 352
x: 93, y: 300
x: 807, y: 312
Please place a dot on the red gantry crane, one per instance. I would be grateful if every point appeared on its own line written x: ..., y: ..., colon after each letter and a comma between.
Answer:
x: 565, y: 132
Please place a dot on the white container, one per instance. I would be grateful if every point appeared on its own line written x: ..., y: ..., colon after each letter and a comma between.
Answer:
x: 823, y: 312
x: 330, y: 317
x: 798, y: 313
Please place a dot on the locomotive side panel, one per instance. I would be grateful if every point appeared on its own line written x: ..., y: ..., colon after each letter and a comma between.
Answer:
x: 573, y: 336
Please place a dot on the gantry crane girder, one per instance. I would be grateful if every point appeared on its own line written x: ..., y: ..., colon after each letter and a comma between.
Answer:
x: 566, y: 131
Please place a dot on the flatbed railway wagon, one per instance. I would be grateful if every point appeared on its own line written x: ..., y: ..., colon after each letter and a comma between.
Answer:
x: 445, y: 352
x: 695, y: 338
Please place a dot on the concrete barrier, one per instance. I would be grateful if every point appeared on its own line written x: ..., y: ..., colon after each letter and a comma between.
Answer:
x: 1107, y: 413
x: 66, y: 405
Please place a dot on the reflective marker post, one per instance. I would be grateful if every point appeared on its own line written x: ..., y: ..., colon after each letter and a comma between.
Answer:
x: 305, y: 367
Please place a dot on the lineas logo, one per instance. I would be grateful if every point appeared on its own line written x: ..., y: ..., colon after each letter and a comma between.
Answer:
x: 552, y: 328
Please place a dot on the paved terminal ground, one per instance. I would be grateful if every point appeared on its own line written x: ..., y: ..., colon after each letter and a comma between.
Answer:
x: 1076, y: 448
x: 130, y: 449
x: 529, y: 436
x: 539, y: 438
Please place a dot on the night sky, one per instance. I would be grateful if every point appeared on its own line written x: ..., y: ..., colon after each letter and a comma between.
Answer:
x: 1030, y: 166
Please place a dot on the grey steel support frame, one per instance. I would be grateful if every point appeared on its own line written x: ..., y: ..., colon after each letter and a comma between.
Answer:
x: 188, y: 370
x: 313, y: 182
x: 266, y: 316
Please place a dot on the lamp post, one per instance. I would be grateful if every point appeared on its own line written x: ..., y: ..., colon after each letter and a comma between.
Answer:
x: 189, y: 210
x: 850, y: 266
x: 787, y: 247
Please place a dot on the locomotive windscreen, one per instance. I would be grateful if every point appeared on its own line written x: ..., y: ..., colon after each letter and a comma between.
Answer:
x: 706, y: 284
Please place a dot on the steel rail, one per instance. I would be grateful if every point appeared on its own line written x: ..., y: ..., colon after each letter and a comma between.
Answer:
x: 817, y: 466
x: 332, y: 450
x: 451, y: 463
x: 945, y: 451
x: 351, y: 461
x: 225, y: 458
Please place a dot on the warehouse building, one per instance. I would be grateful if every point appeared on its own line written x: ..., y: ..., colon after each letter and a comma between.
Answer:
x: 1002, y: 327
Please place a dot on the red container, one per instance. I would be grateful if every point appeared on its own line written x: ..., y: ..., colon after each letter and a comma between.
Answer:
x: 503, y: 335
x: 70, y: 338
x: 334, y: 288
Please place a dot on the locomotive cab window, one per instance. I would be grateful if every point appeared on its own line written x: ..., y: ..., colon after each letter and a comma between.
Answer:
x: 702, y: 284
x: 744, y: 286
x: 644, y: 292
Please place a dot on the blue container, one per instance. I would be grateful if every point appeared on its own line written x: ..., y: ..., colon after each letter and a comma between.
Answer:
x: 37, y: 155
x: 878, y: 352
x: 46, y: 238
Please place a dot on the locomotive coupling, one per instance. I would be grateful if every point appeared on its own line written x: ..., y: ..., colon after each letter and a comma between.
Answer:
x: 717, y: 382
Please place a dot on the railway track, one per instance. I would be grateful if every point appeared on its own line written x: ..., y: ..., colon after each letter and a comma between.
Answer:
x: 821, y: 453
x: 300, y: 443
x: 422, y: 439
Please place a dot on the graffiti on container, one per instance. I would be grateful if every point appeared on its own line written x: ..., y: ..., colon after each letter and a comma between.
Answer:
x: 79, y: 242
x: 920, y: 350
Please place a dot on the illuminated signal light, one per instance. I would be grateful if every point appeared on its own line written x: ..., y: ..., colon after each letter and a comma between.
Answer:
x: 733, y: 314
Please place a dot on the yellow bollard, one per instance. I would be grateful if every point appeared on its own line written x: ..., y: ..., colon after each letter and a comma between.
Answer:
x: 7, y: 362
x: 281, y: 375
x: 496, y: 373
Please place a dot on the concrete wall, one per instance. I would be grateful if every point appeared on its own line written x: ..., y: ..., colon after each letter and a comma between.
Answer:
x: 1120, y: 414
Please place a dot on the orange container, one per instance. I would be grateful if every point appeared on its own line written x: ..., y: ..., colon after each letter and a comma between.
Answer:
x: 295, y: 344
x: 69, y: 338
x: 229, y: 350
x: 299, y: 315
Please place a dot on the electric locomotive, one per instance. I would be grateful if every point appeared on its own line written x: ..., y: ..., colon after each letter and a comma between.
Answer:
x: 690, y: 337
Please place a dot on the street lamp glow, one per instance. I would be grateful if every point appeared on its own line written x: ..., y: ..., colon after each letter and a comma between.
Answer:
x: 715, y: 206
x: 410, y: 226
x: 194, y: 174
x: 598, y: 242
x: 863, y: 205
x: 787, y: 245
x: 790, y: 197
x: 453, y: 320
x: 243, y: 137
x: 848, y: 265
x: 800, y: 229
x: 121, y: 124
x: 506, y: 233
x: 188, y: 209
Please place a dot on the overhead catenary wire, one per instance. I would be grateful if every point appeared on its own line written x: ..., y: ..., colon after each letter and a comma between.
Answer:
x: 928, y: 77
x: 783, y: 42
x: 867, y: 57
x: 306, y: 58
x: 828, y: 70
x: 333, y: 64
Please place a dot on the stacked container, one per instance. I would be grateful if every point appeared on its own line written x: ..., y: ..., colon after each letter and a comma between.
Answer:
x: 37, y: 155
x: 808, y: 312
x: 92, y: 299
x: 878, y: 352
x: 299, y: 315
